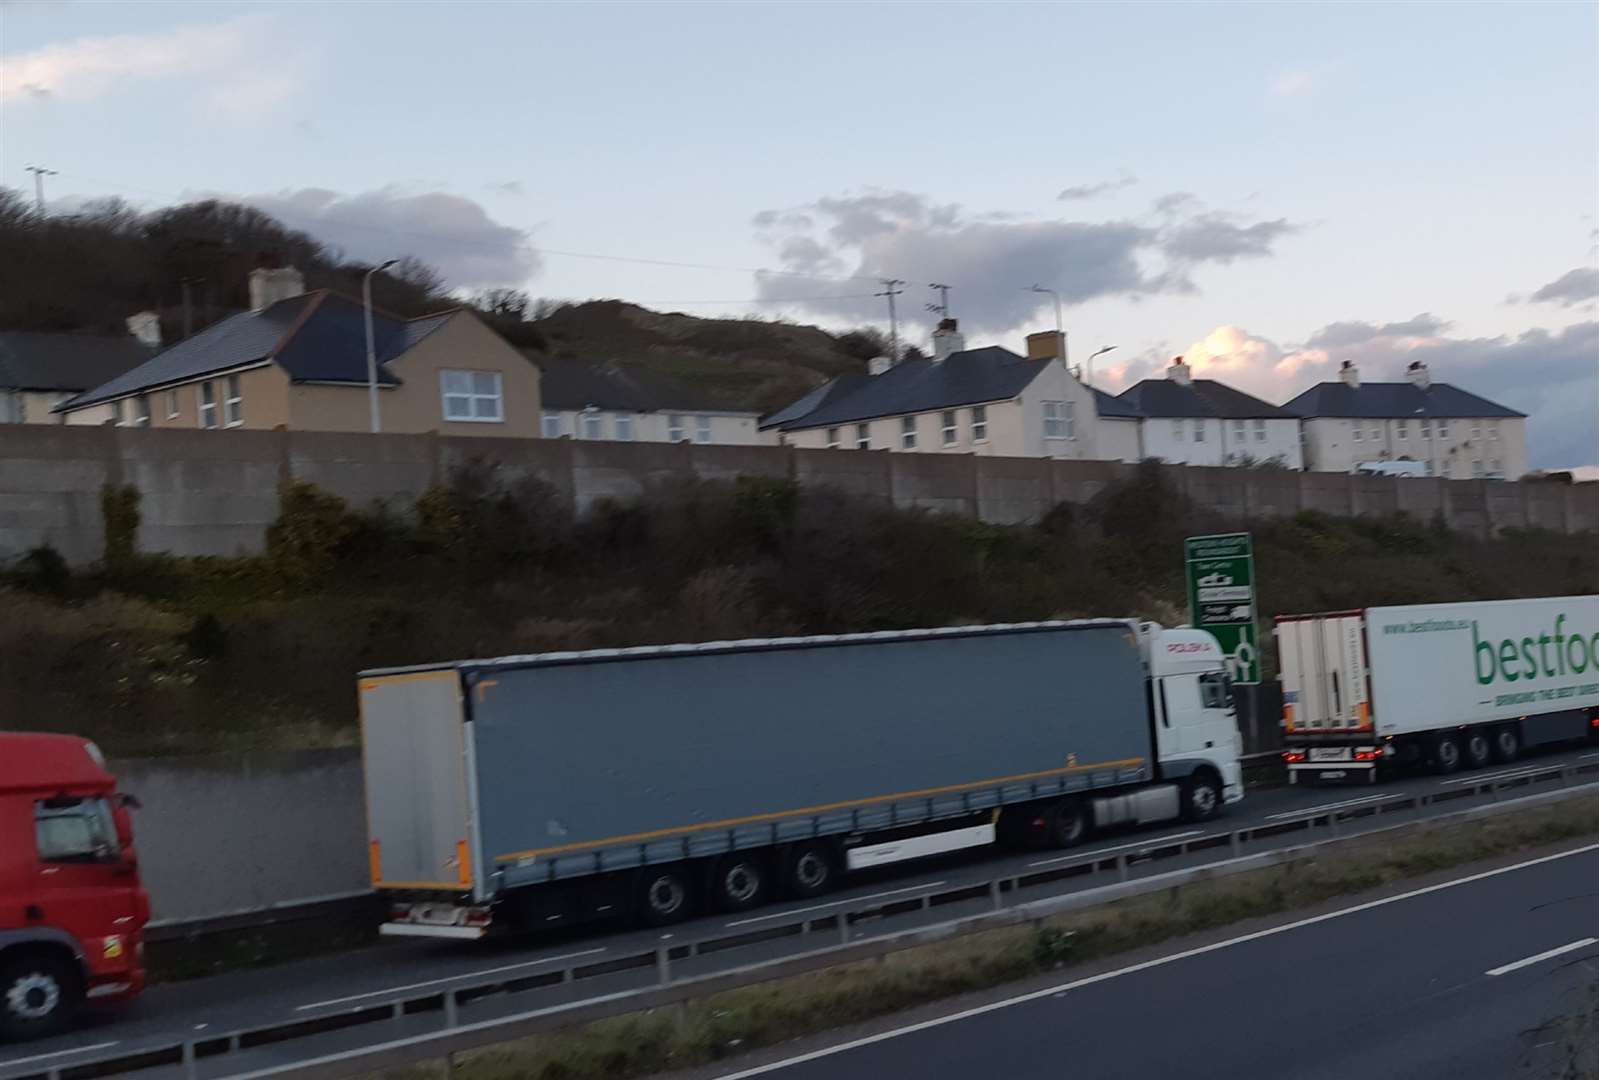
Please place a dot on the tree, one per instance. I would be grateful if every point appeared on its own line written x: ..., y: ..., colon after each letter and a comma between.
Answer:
x: 512, y: 305
x: 866, y: 343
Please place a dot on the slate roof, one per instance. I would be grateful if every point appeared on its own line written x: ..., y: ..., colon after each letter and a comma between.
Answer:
x: 1396, y: 400
x: 66, y: 362
x: 577, y: 384
x: 1114, y: 407
x: 969, y: 377
x: 316, y: 337
x: 1201, y: 397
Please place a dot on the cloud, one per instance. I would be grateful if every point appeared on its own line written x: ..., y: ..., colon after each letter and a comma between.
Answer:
x: 508, y: 187
x: 1293, y: 81
x: 450, y: 232
x: 1089, y: 191
x: 1338, y: 334
x: 989, y: 259
x: 88, y: 67
x: 1569, y: 289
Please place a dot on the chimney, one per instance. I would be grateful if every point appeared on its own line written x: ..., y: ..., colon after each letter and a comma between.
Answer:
x: 1046, y: 345
x: 267, y: 287
x: 877, y: 365
x: 1418, y: 375
x: 1350, y: 374
x: 947, y: 339
x: 1179, y: 372
x: 146, y: 326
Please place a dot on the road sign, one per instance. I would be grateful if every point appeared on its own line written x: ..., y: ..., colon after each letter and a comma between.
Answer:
x: 1221, y: 598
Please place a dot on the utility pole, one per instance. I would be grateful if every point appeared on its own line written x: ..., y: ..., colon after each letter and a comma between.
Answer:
x: 942, y: 307
x: 891, y: 289
x: 39, y: 173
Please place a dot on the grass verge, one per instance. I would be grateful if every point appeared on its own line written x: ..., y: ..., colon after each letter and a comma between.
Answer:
x: 722, y: 1025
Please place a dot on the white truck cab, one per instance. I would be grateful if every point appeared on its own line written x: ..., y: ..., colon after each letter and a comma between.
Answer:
x: 1192, y: 705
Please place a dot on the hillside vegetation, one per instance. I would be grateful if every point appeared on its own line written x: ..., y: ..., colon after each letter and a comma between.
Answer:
x: 155, y: 654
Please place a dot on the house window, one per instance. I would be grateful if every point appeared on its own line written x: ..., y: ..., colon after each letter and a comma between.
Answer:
x: 702, y: 429
x: 832, y: 438
x: 1177, y: 430
x: 907, y: 432
x: 593, y: 425
x: 141, y: 411
x: 950, y: 432
x: 173, y: 408
x: 1399, y: 428
x: 1199, y: 431
x: 1426, y: 467
x: 979, y: 423
x: 1476, y: 431
x: 624, y: 427
x: 1493, y: 429
x: 1260, y: 431
x: 116, y: 412
x: 551, y: 425
x: 208, y: 404
x: 674, y: 428
x: 863, y: 436
x: 1375, y: 433
x: 233, y: 404
x: 1476, y: 470
x: 1360, y: 433
x: 1058, y: 420
x: 473, y: 397
x: 1443, y: 429
x: 1424, y: 429
x: 1238, y: 430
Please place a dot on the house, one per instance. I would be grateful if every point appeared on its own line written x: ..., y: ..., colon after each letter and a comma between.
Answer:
x: 606, y: 401
x: 1453, y: 433
x: 297, y: 360
x: 39, y: 371
x: 957, y: 401
x: 1189, y: 421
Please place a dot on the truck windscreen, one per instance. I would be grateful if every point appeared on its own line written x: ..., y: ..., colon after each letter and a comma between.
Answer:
x: 75, y: 831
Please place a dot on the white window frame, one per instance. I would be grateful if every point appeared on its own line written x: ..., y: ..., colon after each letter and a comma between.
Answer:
x: 1177, y: 429
x: 1402, y: 429
x: 1359, y: 431
x: 951, y: 427
x: 1260, y: 431
x: 622, y: 426
x: 702, y: 430
x: 1199, y: 430
x: 863, y: 436
x: 232, y: 402
x: 832, y: 438
x: 1476, y: 432
x: 1424, y: 428
x: 472, y: 396
x: 591, y: 424
x: 550, y: 424
x: 1376, y: 433
x: 118, y: 413
x: 979, y: 423
x: 1493, y: 429
x: 1059, y: 423
x: 907, y: 433
x: 1240, y: 431
x: 674, y: 427
x: 174, y: 406
x: 205, y: 396
x: 141, y: 411
x: 1442, y: 429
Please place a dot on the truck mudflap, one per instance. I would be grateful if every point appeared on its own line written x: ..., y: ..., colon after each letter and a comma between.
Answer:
x: 1334, y: 764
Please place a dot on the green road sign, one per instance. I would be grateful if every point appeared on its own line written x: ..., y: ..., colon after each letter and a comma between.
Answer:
x: 1221, y: 598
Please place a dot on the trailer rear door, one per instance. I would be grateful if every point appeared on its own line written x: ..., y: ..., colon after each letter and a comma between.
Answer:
x: 418, y: 786
x: 1323, y: 661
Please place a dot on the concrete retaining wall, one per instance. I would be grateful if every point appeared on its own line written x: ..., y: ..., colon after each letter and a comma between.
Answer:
x: 215, y: 492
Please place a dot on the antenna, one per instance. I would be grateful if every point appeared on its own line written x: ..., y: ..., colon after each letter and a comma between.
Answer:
x: 891, y: 289
x: 942, y: 307
x: 39, y: 173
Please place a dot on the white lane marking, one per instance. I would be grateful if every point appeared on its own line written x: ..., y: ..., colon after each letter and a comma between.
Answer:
x: 58, y: 1053
x: 450, y: 979
x: 1305, y: 812
x: 1509, y: 774
x: 1550, y: 954
x: 1581, y: 757
x: 1156, y: 842
x: 1162, y: 961
x: 835, y: 903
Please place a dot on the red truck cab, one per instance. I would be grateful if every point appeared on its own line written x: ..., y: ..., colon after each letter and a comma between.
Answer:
x: 72, y: 911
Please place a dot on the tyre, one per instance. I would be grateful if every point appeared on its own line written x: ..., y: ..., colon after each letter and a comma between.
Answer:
x: 1478, y: 748
x: 1446, y: 755
x: 1068, y: 824
x: 665, y: 895
x: 809, y: 869
x: 40, y: 992
x: 1506, y: 743
x: 1202, y: 797
x: 740, y: 882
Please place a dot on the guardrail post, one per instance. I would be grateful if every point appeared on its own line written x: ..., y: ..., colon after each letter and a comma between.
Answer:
x: 1121, y: 867
x: 993, y: 894
x: 189, y: 1069
x: 663, y: 964
x: 396, y: 1012
x: 1565, y: 775
x: 843, y: 927
x: 1236, y: 844
x: 451, y: 1009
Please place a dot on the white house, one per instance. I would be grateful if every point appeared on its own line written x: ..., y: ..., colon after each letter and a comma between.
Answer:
x: 1453, y: 433
x: 1189, y: 421
x: 606, y: 401
x: 958, y: 401
x: 39, y: 371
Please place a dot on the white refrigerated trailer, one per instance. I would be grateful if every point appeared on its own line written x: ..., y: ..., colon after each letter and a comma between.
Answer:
x: 1450, y: 685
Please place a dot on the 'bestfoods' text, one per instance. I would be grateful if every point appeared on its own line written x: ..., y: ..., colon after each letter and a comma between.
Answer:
x: 1545, y: 656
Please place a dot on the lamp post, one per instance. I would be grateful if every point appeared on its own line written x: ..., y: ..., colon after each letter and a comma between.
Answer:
x: 1059, y: 328
x: 371, y: 345
x: 1097, y: 352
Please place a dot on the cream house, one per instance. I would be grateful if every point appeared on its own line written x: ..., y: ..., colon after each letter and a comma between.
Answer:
x: 1452, y: 432
x: 38, y: 371
x: 958, y: 401
x: 628, y: 404
x: 1189, y: 421
x: 298, y: 360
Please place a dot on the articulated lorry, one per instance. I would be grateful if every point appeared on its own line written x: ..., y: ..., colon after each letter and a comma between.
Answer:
x: 71, y: 908
x: 1447, y: 685
x: 542, y: 790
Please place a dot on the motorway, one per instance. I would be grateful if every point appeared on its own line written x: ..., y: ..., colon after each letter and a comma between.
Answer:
x: 337, y: 985
x: 1452, y: 980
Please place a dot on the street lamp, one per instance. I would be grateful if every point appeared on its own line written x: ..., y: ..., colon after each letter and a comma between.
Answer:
x: 371, y: 346
x: 1059, y: 329
x: 1097, y: 352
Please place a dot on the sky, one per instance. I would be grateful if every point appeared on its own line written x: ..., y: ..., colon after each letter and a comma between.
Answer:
x: 1268, y: 190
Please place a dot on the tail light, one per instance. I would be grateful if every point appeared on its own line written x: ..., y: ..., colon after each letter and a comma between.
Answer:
x: 399, y: 912
x: 477, y: 917
x: 1367, y: 755
x: 1293, y: 756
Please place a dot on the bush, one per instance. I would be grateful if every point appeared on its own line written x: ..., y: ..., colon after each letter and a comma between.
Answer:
x: 119, y: 513
x: 42, y: 570
x: 307, y: 539
x: 482, y: 518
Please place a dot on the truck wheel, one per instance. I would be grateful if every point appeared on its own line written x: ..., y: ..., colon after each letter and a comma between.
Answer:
x: 665, y: 895
x: 1479, y: 751
x: 1446, y: 756
x: 1507, y: 743
x: 809, y: 869
x: 1202, y: 798
x: 1068, y: 823
x: 740, y: 883
x: 39, y: 995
